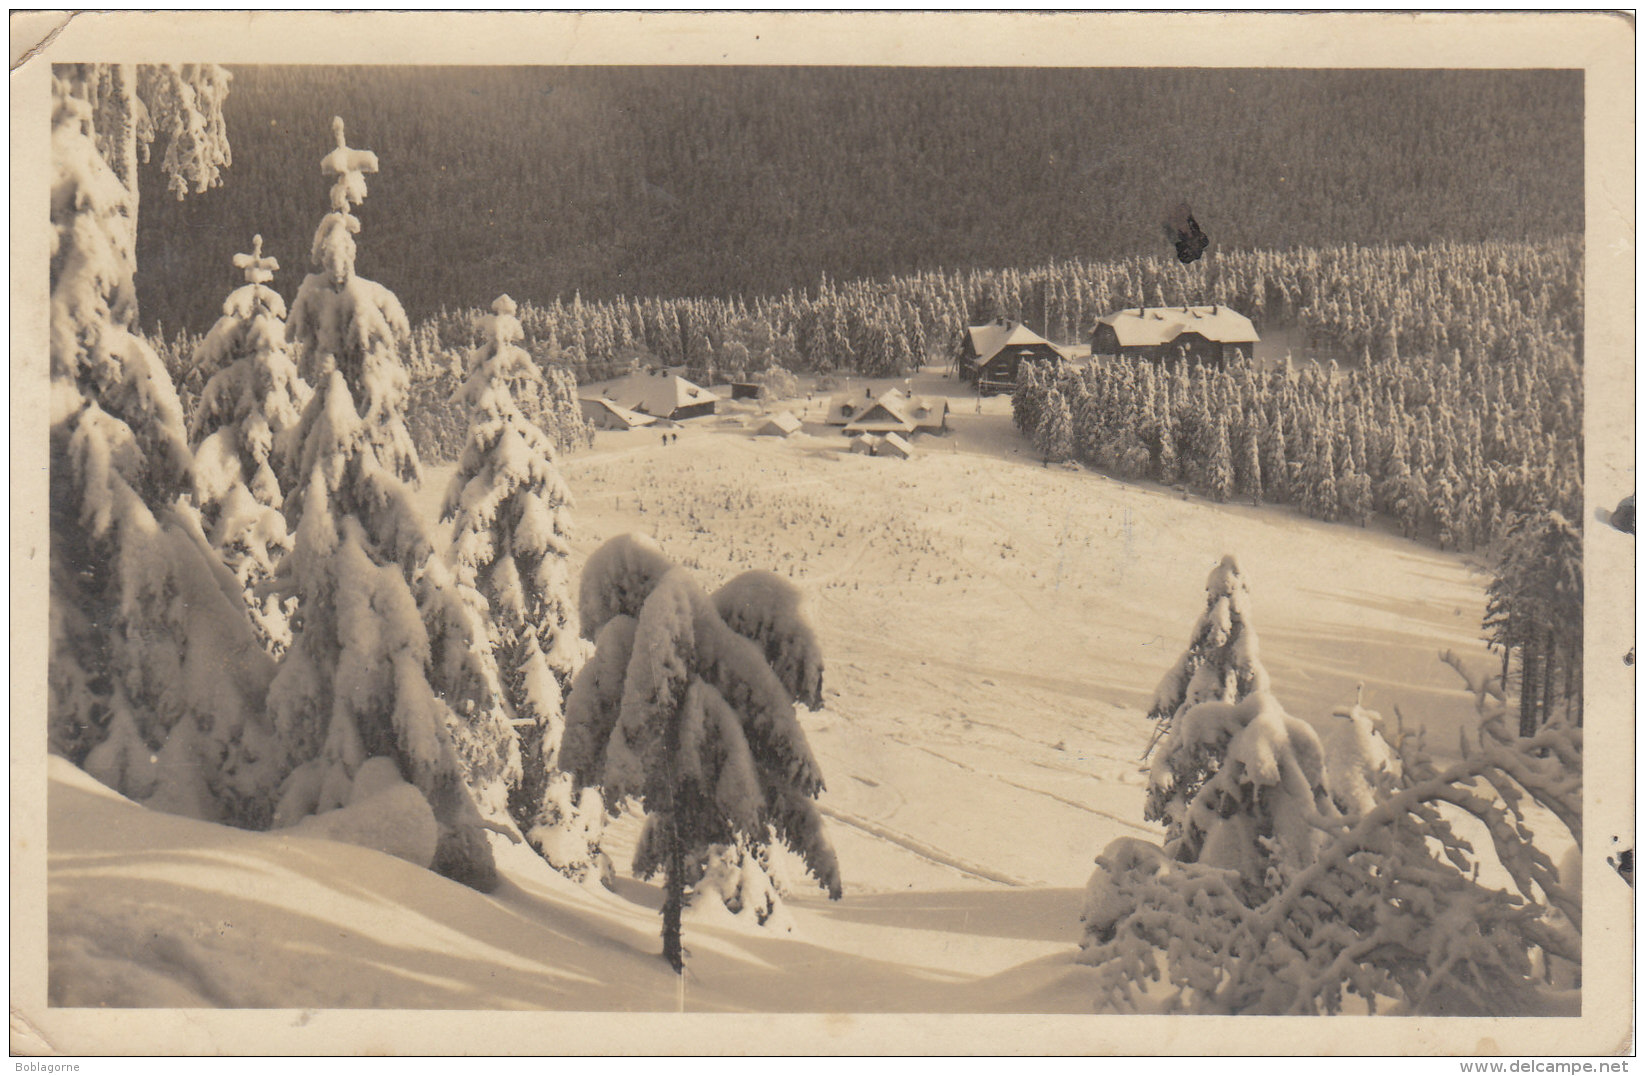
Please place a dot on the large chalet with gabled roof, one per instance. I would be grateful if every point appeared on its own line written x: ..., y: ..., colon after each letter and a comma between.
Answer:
x: 1200, y: 334
x: 889, y: 412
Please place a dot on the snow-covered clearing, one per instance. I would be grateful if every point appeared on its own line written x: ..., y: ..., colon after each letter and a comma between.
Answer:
x: 993, y: 629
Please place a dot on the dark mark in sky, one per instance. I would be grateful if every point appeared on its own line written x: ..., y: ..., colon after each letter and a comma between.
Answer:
x: 1184, y: 231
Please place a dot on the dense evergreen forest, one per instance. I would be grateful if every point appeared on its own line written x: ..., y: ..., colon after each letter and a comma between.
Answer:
x: 695, y: 182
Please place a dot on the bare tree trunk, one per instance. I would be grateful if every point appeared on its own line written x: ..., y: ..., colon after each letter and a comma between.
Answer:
x: 1576, y: 686
x: 674, y: 898
x: 1550, y: 666
x: 1527, y: 690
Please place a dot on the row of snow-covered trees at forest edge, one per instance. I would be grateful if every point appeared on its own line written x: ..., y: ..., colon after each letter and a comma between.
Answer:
x: 1376, y: 302
x: 1299, y: 867
x: 240, y: 628
x: 1482, y: 455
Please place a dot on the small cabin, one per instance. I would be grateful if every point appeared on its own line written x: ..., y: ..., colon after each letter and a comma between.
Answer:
x: 603, y: 414
x: 895, y: 446
x: 782, y: 424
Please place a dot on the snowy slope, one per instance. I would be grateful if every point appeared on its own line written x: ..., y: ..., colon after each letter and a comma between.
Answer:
x: 993, y: 629
x: 149, y: 909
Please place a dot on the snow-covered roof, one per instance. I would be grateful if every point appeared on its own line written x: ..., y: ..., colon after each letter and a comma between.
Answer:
x: 781, y: 424
x: 896, y: 446
x: 659, y: 394
x: 865, y: 443
x: 617, y: 411
x: 1156, y: 325
x: 991, y: 339
x: 889, y: 411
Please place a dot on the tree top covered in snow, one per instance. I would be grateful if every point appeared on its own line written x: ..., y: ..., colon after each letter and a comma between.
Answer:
x: 258, y: 269
x: 349, y: 167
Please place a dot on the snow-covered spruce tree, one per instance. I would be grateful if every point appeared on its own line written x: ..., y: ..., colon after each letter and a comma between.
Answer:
x: 1319, y: 479
x: 688, y: 705
x: 1534, y: 615
x: 130, y: 105
x: 1054, y: 438
x: 1391, y: 906
x: 155, y: 676
x: 1249, y: 457
x: 252, y: 394
x: 1221, y: 665
x: 551, y: 404
x: 510, y: 515
x: 1027, y: 399
x: 1265, y: 792
x: 385, y: 646
x: 1220, y: 468
x: 776, y: 383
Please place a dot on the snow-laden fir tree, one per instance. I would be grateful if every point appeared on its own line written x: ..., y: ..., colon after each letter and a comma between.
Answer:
x: 1220, y: 470
x: 1391, y: 904
x: 688, y: 705
x: 252, y: 394
x: 1264, y: 790
x: 1534, y: 615
x: 1054, y: 436
x: 1319, y: 478
x: 1221, y: 665
x: 510, y: 515
x: 155, y: 677
x: 1354, y: 492
x: 389, y: 657
x: 1027, y: 399
x: 1274, y: 462
x: 130, y: 105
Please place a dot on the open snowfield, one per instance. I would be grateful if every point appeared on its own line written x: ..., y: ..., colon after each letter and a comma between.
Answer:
x: 994, y: 630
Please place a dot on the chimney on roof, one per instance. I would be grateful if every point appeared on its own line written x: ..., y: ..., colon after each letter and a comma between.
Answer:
x: 1213, y: 310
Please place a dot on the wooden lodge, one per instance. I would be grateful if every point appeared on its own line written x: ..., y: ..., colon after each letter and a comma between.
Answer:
x: 1200, y: 334
x: 990, y: 354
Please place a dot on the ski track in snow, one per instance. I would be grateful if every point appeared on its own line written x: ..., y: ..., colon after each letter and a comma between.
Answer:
x: 923, y: 850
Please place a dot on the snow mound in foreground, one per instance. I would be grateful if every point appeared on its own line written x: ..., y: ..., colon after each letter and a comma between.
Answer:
x: 383, y: 813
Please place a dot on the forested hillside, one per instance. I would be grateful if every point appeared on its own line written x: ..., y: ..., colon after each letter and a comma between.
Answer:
x: 719, y: 181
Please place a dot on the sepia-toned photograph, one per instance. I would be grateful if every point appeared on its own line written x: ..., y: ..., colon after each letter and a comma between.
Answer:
x: 619, y: 515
